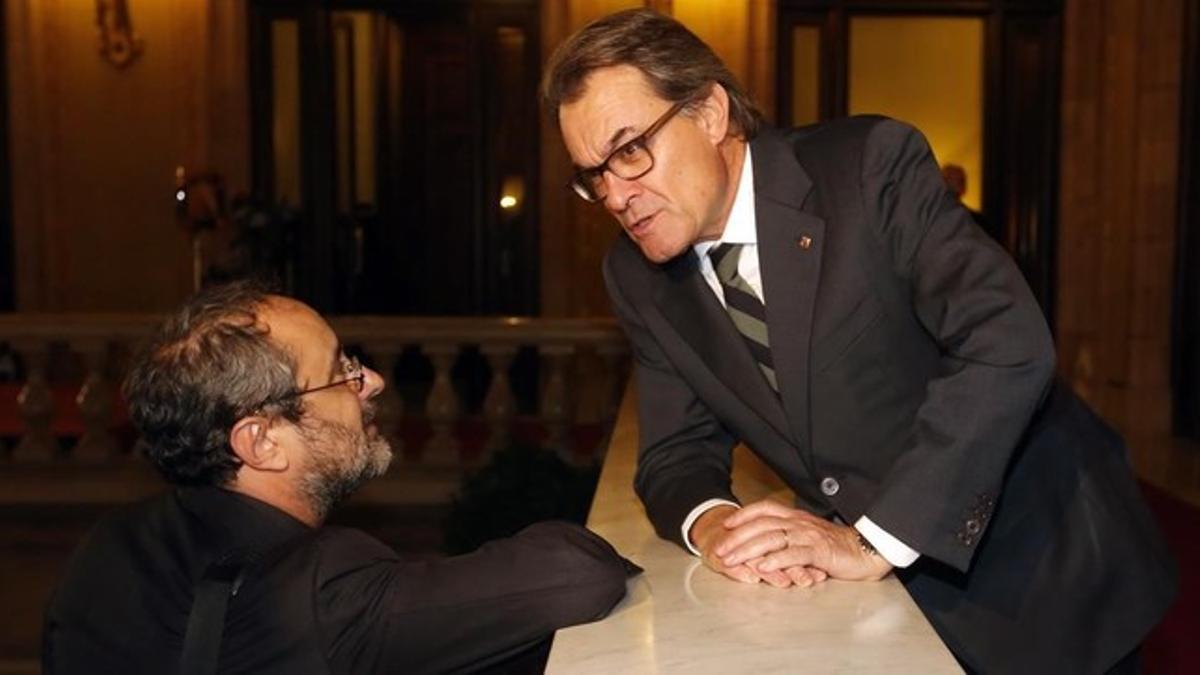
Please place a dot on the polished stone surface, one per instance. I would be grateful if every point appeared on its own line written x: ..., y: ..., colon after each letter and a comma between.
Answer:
x: 679, y: 617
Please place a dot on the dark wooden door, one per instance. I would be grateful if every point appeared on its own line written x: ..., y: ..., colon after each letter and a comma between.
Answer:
x: 1185, y: 333
x: 422, y: 260
x: 1022, y: 52
x: 440, y: 235
x: 8, y: 261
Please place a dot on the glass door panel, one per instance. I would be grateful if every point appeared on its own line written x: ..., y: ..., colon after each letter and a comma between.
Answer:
x: 927, y: 71
x: 806, y: 75
x: 285, y: 111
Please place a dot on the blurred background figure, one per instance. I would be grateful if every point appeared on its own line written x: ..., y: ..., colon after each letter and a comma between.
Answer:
x: 956, y: 181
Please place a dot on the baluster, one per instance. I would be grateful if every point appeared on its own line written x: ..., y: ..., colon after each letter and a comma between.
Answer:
x: 95, y: 401
x: 556, y: 399
x: 499, y: 405
x: 612, y: 355
x: 36, y: 403
x: 122, y: 359
x: 442, y: 407
x: 389, y: 406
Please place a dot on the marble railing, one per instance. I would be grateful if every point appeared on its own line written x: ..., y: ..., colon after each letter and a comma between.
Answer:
x: 63, y: 424
x: 681, y: 617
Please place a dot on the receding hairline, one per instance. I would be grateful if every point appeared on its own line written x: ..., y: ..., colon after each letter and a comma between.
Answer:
x: 626, y: 131
x: 280, y: 305
x: 299, y: 317
x: 255, y: 316
x: 676, y: 62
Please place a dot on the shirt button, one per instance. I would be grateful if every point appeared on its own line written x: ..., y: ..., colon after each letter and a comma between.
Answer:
x: 830, y: 486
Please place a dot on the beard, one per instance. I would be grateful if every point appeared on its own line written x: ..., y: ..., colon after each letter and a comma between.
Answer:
x: 340, y: 460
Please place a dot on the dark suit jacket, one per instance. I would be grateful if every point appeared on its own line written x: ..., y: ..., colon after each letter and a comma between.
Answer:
x: 915, y: 374
x: 339, y: 601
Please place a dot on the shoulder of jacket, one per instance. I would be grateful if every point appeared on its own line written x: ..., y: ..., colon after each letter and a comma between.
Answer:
x: 350, y: 543
x: 624, y: 262
x: 834, y: 138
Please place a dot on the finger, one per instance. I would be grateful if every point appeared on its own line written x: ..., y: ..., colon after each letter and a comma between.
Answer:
x: 793, y: 556
x: 740, y: 573
x: 801, y: 576
x: 758, y: 509
x: 751, y: 530
x: 767, y: 542
x: 743, y: 574
x: 817, y: 574
x: 777, y: 579
x: 760, y: 537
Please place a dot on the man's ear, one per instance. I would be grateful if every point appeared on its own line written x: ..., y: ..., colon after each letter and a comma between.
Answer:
x: 713, y: 113
x: 253, y: 441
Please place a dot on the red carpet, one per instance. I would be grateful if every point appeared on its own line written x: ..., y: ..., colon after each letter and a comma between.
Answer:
x: 1174, y: 646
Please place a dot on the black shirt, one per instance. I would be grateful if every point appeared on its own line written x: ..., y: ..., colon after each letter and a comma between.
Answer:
x: 337, y: 601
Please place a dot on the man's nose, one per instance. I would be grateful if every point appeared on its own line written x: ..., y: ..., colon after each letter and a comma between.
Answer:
x: 373, y: 384
x: 618, y: 191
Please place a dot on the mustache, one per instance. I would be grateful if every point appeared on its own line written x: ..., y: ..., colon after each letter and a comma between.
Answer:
x: 368, y: 412
x: 632, y: 220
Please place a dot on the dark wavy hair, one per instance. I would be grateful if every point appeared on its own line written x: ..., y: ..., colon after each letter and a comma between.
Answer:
x: 211, y: 364
x: 678, y: 65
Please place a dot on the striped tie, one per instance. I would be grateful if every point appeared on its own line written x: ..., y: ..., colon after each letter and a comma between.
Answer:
x: 747, y: 311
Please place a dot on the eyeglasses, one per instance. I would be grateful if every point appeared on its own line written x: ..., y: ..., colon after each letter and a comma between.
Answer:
x: 350, y: 365
x: 629, y: 162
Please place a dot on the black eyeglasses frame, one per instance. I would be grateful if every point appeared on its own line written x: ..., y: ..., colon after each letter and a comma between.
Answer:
x: 353, y: 366
x: 584, y: 177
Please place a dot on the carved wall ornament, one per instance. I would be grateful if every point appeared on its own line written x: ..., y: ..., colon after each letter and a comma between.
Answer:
x: 118, y: 43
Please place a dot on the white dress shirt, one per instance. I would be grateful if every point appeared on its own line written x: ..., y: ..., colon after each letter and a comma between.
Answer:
x: 741, y: 228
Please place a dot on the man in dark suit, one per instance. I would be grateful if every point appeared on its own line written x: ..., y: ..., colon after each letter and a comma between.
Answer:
x: 248, y: 404
x: 819, y: 295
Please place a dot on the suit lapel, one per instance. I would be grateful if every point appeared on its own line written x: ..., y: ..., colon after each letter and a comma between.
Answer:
x: 692, y: 309
x: 789, y: 250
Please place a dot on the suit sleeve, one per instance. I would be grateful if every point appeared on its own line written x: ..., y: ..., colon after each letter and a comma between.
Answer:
x: 684, y: 453
x: 996, y: 354
x: 382, y: 614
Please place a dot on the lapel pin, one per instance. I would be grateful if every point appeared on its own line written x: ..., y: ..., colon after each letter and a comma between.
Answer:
x: 805, y: 242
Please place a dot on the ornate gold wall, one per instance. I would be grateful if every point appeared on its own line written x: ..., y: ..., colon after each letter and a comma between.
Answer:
x: 94, y: 147
x: 1120, y: 131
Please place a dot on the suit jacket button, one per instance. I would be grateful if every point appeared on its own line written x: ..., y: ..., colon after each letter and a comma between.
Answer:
x: 972, y: 527
x: 830, y: 486
x: 804, y: 242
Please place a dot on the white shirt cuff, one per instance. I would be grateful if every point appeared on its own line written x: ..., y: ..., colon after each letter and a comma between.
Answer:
x: 696, y: 513
x: 892, y: 549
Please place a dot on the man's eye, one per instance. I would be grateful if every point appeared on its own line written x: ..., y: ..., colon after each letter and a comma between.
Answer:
x: 630, y: 149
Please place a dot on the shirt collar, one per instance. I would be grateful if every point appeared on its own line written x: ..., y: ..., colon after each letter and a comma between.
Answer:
x: 239, y: 521
x: 740, y: 228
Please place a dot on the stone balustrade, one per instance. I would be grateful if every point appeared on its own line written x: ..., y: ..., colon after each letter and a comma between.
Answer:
x: 64, y: 435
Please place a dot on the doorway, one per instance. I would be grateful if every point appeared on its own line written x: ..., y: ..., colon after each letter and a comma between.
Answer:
x: 980, y: 79
x: 404, y: 134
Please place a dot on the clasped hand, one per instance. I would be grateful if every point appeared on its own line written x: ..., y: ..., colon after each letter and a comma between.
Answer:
x: 767, y: 541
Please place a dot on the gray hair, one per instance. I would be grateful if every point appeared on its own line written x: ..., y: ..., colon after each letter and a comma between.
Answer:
x: 679, y: 66
x: 211, y: 364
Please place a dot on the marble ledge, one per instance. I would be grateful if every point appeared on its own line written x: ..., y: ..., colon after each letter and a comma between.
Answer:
x: 679, y: 617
